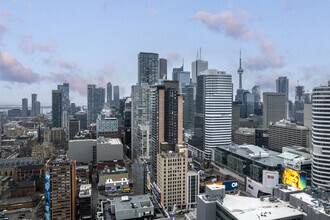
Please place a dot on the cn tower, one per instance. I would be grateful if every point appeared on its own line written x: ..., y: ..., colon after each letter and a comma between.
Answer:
x: 240, y: 70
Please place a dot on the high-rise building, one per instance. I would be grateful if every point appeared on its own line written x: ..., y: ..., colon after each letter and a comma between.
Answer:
x: 321, y: 136
x: 85, y: 201
x: 284, y: 133
x: 184, y: 79
x: 274, y: 107
x: 197, y: 67
x: 188, y: 106
x: 214, y: 109
x: 38, y: 108
x: 175, y: 73
x: 33, y: 104
x: 109, y: 93
x: 162, y: 68
x: 141, y: 115
x: 256, y: 93
x: 95, y: 102
x: 65, y: 120
x: 57, y: 108
x: 65, y: 90
x: 172, y: 177
x: 82, y: 117
x: 282, y: 86
x: 299, y: 93
x: 148, y: 68
x: 116, y: 96
x: 60, y: 188
x: 167, y: 119
x: 25, y: 107
x: 74, y: 128
x: 240, y: 71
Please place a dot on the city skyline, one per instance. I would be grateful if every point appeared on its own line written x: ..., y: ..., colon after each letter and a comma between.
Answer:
x: 35, y: 56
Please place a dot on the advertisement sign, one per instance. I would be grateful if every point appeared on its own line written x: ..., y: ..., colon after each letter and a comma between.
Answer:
x: 230, y: 185
x: 270, y: 178
x: 294, y: 178
x: 256, y: 189
x: 47, y: 195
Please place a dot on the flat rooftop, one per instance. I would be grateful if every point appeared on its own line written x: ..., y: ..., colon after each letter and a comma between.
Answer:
x: 310, y: 201
x: 125, y: 202
x: 260, y: 155
x: 253, y: 208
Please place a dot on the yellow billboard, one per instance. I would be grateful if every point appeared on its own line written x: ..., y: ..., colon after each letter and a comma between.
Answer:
x: 294, y: 178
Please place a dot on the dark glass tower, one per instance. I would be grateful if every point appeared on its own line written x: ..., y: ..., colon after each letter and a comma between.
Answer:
x: 57, y: 108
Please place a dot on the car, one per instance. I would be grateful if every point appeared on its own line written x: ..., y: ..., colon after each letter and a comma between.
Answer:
x: 21, y: 215
x: 6, y: 218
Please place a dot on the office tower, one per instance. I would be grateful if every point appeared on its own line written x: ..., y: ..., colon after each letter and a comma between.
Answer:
x: 57, y: 108
x: 282, y: 86
x: 245, y: 136
x: 148, y: 68
x: 184, y: 79
x: 175, y: 73
x: 188, y: 106
x: 274, y: 107
x: 321, y: 136
x: 109, y: 93
x: 74, y: 128
x: 197, y: 67
x: 25, y: 107
x: 240, y: 71
x: 214, y: 109
x: 73, y: 109
x: 256, y: 93
x: 167, y: 119
x: 33, y: 104
x: 299, y: 93
x: 65, y: 90
x: 65, y: 120
x: 172, y: 178
x: 116, y: 96
x: 95, y: 102
x: 60, y: 188
x: 82, y: 117
x: 141, y: 116
x: 38, y: 108
x: 249, y: 105
x: 162, y: 68
x: 307, y: 97
x: 284, y: 133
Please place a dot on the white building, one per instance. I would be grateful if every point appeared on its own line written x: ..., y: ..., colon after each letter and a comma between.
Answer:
x: 214, y: 108
x: 321, y: 136
x: 91, y: 150
x: 106, y: 126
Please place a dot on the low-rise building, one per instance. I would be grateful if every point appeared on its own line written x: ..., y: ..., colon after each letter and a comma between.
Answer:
x: 245, y: 136
x: 285, y: 133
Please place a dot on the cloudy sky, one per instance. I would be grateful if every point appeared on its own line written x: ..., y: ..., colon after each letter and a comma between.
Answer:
x: 44, y: 43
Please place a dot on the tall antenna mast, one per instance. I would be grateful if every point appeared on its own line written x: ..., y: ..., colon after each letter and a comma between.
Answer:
x: 200, y: 53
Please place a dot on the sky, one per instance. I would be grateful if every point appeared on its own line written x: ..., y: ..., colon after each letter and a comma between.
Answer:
x: 45, y: 43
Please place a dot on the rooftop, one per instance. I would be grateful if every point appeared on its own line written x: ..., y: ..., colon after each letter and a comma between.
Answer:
x: 253, y: 208
x: 85, y: 190
x: 132, y: 202
x: 252, y: 152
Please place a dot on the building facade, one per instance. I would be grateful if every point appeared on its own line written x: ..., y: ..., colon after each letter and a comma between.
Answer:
x: 148, y: 68
x: 24, y: 107
x: 284, y: 134
x: 116, y: 96
x: 33, y: 104
x: 274, y: 107
x: 109, y: 93
x: 95, y: 102
x: 162, y: 68
x: 214, y: 109
x: 65, y: 90
x: 60, y: 188
x: 321, y: 137
x: 197, y: 67
x: 57, y: 108
x: 282, y: 86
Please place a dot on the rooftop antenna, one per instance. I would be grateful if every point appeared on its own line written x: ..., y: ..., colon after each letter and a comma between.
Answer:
x: 200, y: 53
x: 197, y: 55
x: 182, y: 63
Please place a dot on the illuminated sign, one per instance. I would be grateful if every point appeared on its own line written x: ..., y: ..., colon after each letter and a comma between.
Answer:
x: 230, y: 185
x: 294, y: 178
x: 47, y: 195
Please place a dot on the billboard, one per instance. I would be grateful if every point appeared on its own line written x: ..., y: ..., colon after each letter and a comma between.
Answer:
x: 230, y: 185
x: 47, y: 195
x: 270, y: 178
x: 294, y: 178
x: 269, y: 181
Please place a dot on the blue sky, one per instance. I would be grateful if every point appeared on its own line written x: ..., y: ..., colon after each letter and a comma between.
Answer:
x: 45, y: 43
